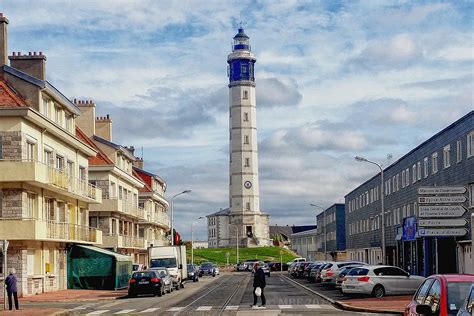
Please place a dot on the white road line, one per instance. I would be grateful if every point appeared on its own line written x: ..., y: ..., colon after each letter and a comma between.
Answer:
x: 174, y: 309
x: 101, y: 311
x: 232, y: 308
x: 313, y: 306
x: 125, y: 311
x: 82, y: 307
x: 150, y: 310
x: 204, y: 308
x: 285, y: 306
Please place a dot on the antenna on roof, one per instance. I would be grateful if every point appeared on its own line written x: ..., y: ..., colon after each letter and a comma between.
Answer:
x: 389, y: 158
x: 142, y: 152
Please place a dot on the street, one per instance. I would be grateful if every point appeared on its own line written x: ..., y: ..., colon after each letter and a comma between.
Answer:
x: 226, y: 294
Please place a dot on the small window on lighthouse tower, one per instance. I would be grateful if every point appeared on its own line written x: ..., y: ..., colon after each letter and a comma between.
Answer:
x: 246, y: 139
x: 247, y: 162
x: 245, y: 95
x: 246, y: 117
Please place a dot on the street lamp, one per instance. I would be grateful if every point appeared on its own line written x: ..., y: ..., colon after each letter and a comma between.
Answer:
x: 362, y: 159
x: 192, y: 239
x: 171, y: 203
x: 324, y: 223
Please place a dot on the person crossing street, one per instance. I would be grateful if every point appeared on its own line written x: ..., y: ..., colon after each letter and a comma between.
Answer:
x: 258, y: 282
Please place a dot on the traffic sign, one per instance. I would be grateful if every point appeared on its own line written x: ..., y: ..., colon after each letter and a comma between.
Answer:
x: 436, y: 232
x: 442, y: 190
x: 441, y: 199
x: 434, y: 222
x: 441, y: 210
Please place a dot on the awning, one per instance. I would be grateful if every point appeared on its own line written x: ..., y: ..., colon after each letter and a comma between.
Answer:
x: 118, y: 256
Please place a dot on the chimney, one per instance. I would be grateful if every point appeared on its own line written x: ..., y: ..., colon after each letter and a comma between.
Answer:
x: 86, y: 121
x: 103, y: 127
x: 3, y: 40
x: 33, y: 64
x: 138, y: 162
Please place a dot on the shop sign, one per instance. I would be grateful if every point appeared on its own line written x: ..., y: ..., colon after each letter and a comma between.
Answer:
x: 441, y: 199
x: 441, y: 190
x: 441, y: 211
x: 409, y: 228
x: 437, y: 232
x: 442, y: 222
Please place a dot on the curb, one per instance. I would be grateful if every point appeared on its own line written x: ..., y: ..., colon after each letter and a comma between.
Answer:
x: 341, y: 305
x: 78, y: 299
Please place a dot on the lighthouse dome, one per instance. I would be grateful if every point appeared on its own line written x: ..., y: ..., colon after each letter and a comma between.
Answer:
x: 241, y: 40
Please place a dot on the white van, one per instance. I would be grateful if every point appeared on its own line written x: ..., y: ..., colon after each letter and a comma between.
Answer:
x: 299, y: 260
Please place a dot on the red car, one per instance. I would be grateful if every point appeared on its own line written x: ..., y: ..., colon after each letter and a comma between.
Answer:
x: 440, y: 295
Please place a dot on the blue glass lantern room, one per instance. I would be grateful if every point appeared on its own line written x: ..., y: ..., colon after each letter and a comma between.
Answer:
x: 241, y: 68
x: 241, y: 40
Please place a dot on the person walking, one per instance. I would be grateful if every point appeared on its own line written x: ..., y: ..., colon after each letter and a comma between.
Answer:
x: 258, y: 282
x: 12, y: 290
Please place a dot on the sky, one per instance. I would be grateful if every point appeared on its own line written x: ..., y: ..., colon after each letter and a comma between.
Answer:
x: 334, y: 79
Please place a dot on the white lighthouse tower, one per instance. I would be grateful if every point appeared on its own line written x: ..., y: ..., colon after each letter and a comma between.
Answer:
x: 242, y: 222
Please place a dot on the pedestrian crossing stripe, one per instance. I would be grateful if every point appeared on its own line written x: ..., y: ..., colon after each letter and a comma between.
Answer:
x: 204, y: 308
x: 285, y: 306
x: 313, y: 306
x: 99, y: 312
x: 175, y: 309
x: 150, y: 310
x: 125, y: 311
x: 232, y: 308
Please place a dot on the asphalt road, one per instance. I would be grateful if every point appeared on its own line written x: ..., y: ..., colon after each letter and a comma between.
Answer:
x: 227, y: 294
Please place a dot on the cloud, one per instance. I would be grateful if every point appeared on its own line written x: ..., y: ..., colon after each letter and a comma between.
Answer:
x: 437, y: 84
x: 272, y: 92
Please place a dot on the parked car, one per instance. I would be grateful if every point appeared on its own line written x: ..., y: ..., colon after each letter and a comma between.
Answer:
x: 241, y: 266
x: 291, y: 268
x: 266, y: 269
x: 342, y: 274
x: 330, y: 272
x: 146, y: 282
x: 165, y: 277
x: 208, y: 268
x: 193, y: 272
x: 319, y: 272
x: 307, y: 269
x: 137, y: 267
x: 467, y: 307
x: 313, y: 273
x: 441, y: 295
x: 380, y: 280
x: 216, y: 269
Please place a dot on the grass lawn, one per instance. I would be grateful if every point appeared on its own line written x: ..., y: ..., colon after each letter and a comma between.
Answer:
x: 218, y: 255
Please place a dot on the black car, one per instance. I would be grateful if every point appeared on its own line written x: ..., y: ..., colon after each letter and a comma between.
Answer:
x: 145, y: 282
x: 207, y: 268
x: 193, y: 272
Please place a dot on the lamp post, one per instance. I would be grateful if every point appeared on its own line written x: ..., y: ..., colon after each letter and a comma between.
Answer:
x: 171, y: 203
x: 324, y: 223
x: 192, y: 239
x: 362, y: 159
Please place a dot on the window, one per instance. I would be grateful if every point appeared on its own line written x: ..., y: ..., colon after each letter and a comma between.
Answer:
x: 398, y: 181
x: 421, y: 294
x: 425, y: 166
x: 243, y: 69
x: 246, y: 117
x: 31, y: 205
x: 48, y: 157
x: 30, y: 150
x: 470, y: 144
x: 69, y: 125
x: 471, y: 195
x: 433, y: 297
x: 247, y: 206
x: 246, y: 139
x: 246, y: 93
x: 413, y: 171
x: 434, y: 163
x: 247, y: 162
x: 418, y: 170
x: 57, y: 115
x: 46, y: 103
x: 407, y: 177
x: 59, y: 162
x: 458, y: 151
x: 446, y: 156
x: 403, y: 178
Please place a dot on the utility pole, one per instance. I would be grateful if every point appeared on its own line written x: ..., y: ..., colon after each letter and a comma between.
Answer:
x: 5, y: 267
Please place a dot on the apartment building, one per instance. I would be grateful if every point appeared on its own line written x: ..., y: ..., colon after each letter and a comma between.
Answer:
x: 421, y: 245
x: 331, y: 233
x: 119, y: 215
x: 45, y: 195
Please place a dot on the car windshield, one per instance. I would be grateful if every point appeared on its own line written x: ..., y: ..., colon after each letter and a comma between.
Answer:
x: 138, y: 275
x: 206, y: 265
x: 135, y: 267
x: 165, y: 262
x: 190, y: 267
x: 358, y: 271
x: 457, y: 292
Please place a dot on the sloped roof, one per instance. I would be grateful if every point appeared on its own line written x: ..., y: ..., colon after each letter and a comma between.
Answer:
x: 282, y: 230
x: 8, y: 97
x: 118, y: 147
x: 225, y: 211
x: 100, y: 158
x: 146, y: 187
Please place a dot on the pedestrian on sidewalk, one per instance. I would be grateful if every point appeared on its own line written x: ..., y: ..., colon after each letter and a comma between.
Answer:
x: 258, y: 282
x: 10, y: 283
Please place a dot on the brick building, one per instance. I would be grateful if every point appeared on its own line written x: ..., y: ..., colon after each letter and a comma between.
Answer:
x: 445, y: 159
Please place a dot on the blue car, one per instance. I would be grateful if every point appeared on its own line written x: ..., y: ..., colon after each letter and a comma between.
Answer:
x: 208, y: 268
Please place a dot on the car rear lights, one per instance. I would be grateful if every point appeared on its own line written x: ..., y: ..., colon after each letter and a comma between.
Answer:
x: 132, y: 280
x: 363, y: 279
x: 329, y: 273
x: 155, y: 280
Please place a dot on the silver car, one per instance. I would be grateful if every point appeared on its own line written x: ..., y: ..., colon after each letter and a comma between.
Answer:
x: 380, y: 281
x: 330, y: 272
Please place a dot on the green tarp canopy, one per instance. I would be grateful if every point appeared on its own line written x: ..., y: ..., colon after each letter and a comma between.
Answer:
x: 95, y: 268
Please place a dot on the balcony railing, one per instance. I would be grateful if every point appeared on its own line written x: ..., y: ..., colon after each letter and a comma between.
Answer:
x: 123, y: 241
x: 160, y: 219
x: 39, y: 229
x: 113, y: 204
x: 24, y: 170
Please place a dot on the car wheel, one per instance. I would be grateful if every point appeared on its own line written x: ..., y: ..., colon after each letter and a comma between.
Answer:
x: 177, y: 287
x: 169, y: 290
x: 268, y: 274
x: 160, y: 292
x: 378, y: 291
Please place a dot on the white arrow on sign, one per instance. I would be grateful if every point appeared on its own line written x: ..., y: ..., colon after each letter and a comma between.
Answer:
x: 441, y: 211
x: 441, y: 199
x: 442, y: 222
x: 435, y: 232
x: 441, y: 190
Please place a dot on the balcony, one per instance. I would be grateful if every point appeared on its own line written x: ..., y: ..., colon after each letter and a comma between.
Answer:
x: 113, y: 204
x: 38, y: 229
x: 123, y: 241
x: 161, y: 219
x: 42, y: 175
x: 159, y: 242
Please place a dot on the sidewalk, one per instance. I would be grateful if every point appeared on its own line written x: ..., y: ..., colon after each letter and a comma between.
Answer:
x: 75, y: 295
x: 32, y: 311
x: 388, y: 304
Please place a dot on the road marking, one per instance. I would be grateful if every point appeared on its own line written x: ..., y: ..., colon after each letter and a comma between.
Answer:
x: 313, y: 306
x: 150, y: 310
x: 82, y: 307
x: 125, y: 311
x: 204, y: 308
x: 232, y: 308
x: 285, y: 306
x: 174, y: 309
x: 101, y: 311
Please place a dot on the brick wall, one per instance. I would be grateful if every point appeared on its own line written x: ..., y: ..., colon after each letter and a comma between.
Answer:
x: 11, y: 145
x: 12, y: 203
x: 104, y: 186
